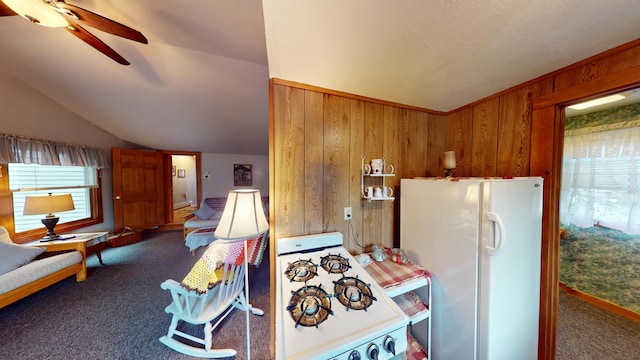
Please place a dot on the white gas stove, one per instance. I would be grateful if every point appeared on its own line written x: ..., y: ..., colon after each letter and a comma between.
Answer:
x: 329, y: 307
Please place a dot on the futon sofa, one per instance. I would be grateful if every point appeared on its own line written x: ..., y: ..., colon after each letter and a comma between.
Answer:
x: 209, y: 213
x: 24, y: 270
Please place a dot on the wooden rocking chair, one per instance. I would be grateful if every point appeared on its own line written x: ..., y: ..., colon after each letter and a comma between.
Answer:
x: 209, y: 308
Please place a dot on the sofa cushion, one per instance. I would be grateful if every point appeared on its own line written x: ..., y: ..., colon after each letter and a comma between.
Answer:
x: 196, y: 223
x: 205, y: 212
x: 38, y: 269
x: 12, y: 256
x: 4, y: 235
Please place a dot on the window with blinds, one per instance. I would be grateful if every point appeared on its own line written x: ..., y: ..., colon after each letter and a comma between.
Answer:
x: 601, y: 180
x: 30, y: 179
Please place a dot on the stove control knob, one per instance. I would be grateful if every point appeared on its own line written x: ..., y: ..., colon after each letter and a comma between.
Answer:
x: 355, y: 355
x: 390, y: 345
x: 373, y: 352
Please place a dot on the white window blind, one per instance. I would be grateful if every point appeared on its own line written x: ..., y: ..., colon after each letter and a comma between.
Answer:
x: 30, y: 179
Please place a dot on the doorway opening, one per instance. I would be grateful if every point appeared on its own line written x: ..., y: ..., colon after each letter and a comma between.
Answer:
x: 600, y: 240
x: 183, y: 186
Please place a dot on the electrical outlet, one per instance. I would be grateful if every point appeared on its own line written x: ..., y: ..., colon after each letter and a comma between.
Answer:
x: 347, y: 213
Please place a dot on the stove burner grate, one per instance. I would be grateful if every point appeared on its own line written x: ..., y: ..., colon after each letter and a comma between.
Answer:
x: 353, y: 293
x: 309, y: 306
x: 335, y: 264
x: 301, y: 270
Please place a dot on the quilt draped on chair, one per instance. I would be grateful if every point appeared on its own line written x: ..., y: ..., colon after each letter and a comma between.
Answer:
x: 207, y: 271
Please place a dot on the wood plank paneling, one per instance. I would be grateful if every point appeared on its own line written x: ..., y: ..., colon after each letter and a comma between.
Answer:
x: 336, y: 162
x: 374, y: 130
x: 420, y: 141
x: 413, y: 133
x: 484, y: 140
x: 393, y: 118
x: 374, y: 135
x: 437, y: 127
x: 313, y: 162
x: 514, y: 132
x: 353, y: 241
x: 595, y: 69
x: 458, y: 138
x: 289, y: 168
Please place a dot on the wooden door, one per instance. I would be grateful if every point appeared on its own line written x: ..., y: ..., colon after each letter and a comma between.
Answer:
x: 167, y: 179
x: 137, y: 189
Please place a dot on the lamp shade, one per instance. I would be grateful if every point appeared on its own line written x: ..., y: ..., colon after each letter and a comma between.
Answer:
x: 243, y: 216
x: 47, y: 204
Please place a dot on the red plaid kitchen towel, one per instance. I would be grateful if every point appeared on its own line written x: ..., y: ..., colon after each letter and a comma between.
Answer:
x: 414, y: 350
x: 410, y: 303
x: 388, y: 273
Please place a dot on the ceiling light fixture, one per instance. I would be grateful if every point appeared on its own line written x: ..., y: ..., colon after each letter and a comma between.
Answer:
x: 596, y: 102
x: 38, y: 12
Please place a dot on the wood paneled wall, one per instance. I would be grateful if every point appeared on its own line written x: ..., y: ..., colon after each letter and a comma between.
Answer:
x: 319, y: 138
x: 493, y: 137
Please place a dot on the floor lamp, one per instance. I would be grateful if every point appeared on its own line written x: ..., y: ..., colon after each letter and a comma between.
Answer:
x: 242, y: 219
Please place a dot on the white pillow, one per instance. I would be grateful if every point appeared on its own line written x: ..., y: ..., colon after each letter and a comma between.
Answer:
x: 12, y: 256
x: 4, y: 235
x: 205, y: 212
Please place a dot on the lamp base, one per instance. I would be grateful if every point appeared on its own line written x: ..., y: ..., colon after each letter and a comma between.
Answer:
x: 48, y: 238
x: 50, y: 224
x: 450, y: 172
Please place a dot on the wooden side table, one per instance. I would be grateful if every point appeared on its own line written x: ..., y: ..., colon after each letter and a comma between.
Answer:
x: 80, y: 242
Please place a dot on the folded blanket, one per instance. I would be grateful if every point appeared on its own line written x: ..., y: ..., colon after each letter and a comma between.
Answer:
x: 207, y: 271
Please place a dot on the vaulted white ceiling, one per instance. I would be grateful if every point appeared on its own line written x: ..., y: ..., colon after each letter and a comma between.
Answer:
x: 201, y: 84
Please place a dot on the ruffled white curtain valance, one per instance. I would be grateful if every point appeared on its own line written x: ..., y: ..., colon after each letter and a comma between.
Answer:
x: 17, y: 149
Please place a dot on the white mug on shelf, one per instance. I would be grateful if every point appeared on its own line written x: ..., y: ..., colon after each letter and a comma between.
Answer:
x: 368, y: 192
x: 377, y: 192
x: 377, y: 165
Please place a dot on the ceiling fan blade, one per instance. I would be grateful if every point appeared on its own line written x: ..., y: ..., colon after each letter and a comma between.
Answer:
x: 92, y: 40
x: 86, y: 17
x: 5, y: 10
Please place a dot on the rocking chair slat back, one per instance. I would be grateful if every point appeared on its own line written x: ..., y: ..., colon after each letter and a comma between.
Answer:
x: 209, y: 308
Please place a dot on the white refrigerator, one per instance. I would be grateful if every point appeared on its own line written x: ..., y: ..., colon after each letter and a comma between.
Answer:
x: 480, y: 238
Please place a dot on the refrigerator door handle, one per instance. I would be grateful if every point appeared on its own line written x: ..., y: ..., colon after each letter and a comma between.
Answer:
x: 495, y: 250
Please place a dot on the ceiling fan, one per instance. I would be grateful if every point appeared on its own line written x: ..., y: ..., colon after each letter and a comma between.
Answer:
x: 57, y: 13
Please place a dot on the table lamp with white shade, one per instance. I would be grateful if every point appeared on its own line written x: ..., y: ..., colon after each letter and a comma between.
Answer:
x: 243, y: 219
x: 48, y: 204
x: 449, y: 163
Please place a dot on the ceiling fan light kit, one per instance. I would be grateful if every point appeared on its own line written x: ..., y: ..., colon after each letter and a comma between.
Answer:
x: 57, y: 13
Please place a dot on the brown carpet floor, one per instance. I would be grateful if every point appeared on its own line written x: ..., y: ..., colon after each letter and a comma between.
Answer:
x: 118, y: 313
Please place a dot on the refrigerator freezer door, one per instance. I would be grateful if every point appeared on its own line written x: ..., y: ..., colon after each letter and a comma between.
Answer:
x: 510, y: 278
x: 439, y: 230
